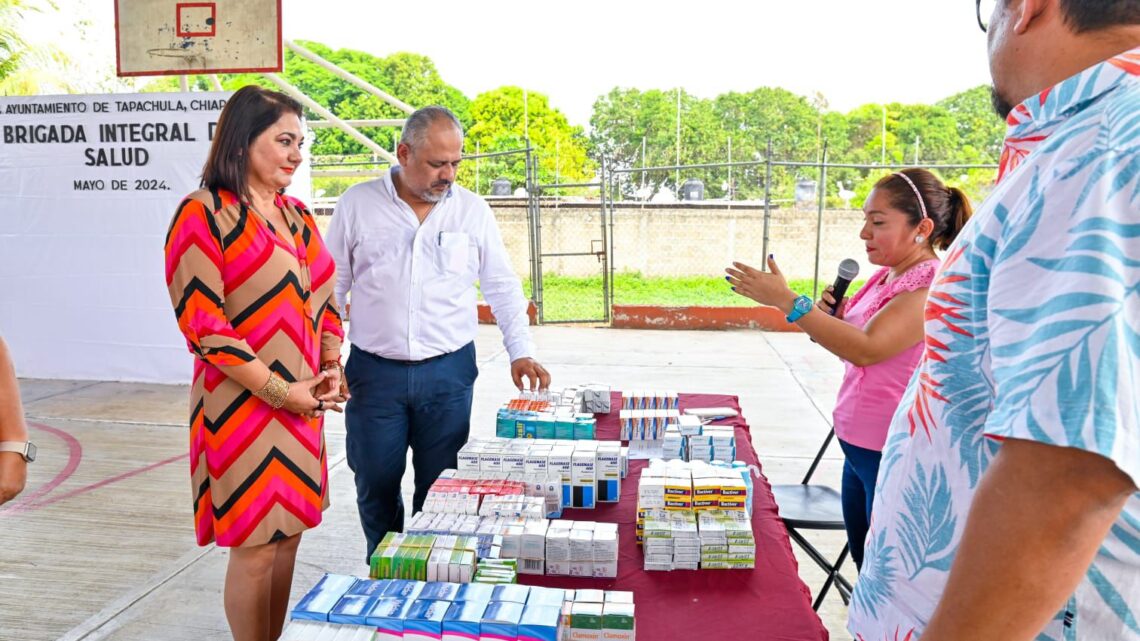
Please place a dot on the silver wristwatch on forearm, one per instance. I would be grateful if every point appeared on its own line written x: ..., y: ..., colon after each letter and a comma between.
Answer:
x: 26, y: 449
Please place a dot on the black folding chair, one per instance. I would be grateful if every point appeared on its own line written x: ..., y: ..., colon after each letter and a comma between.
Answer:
x: 808, y: 506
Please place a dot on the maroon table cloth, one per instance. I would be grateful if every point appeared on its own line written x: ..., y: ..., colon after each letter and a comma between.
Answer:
x: 770, y: 602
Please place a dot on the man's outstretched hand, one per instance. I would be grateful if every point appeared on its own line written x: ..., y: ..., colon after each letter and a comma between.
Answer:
x: 529, y: 368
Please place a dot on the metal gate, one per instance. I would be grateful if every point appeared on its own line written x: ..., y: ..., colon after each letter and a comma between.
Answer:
x: 570, y: 250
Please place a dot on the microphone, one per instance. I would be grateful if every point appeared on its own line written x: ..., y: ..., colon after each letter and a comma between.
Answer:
x: 848, y: 270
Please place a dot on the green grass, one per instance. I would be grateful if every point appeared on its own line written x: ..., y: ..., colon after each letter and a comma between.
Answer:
x: 568, y: 298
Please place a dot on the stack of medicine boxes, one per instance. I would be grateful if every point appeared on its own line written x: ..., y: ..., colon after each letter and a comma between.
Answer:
x: 566, y: 414
x: 586, y: 471
x: 345, y: 608
x: 677, y: 498
x: 689, y: 440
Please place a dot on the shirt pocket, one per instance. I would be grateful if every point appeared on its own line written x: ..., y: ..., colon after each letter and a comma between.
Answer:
x: 453, y: 252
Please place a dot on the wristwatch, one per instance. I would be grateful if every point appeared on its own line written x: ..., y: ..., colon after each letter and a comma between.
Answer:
x: 26, y: 449
x: 800, y: 306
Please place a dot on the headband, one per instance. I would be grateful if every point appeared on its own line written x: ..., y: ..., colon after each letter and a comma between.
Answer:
x: 917, y: 195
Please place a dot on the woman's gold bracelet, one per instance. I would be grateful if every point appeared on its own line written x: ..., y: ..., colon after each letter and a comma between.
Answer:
x: 274, y: 391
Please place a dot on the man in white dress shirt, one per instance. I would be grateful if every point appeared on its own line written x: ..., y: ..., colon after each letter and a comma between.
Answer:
x: 410, y: 247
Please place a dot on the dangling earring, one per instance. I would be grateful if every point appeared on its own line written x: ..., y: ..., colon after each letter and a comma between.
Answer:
x: 919, y: 238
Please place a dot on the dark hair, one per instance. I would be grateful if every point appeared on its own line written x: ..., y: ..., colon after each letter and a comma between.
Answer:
x: 248, y: 113
x: 948, y: 207
x: 1094, y: 15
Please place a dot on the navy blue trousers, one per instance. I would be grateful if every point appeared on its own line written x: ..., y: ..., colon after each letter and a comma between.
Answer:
x: 859, y: 473
x: 396, y: 405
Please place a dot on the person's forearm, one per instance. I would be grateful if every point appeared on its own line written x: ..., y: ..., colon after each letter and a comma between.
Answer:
x: 833, y: 334
x: 1036, y: 522
x: 12, y: 425
x: 838, y: 337
x: 252, y: 375
x: 336, y: 241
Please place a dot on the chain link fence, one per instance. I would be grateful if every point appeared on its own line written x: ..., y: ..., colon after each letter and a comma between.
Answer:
x: 677, y: 228
x: 663, y: 236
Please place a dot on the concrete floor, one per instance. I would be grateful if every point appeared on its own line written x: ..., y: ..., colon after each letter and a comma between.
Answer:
x: 101, y: 544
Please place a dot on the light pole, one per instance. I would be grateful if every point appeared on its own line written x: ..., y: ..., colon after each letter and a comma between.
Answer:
x: 677, y: 172
x: 883, y: 138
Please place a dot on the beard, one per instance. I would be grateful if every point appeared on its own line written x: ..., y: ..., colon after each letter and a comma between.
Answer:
x: 1001, y: 106
x: 431, y: 196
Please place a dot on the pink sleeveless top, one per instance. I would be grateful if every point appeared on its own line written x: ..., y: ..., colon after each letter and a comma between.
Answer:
x: 869, y: 395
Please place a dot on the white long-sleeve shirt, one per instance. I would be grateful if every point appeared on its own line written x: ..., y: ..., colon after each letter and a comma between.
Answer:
x: 413, y: 286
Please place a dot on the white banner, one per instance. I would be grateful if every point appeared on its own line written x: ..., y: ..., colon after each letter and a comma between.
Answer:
x: 89, y: 185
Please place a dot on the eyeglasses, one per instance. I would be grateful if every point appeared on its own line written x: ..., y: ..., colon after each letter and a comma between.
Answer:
x: 985, y: 9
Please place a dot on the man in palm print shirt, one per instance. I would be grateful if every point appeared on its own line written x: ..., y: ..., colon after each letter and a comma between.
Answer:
x: 1007, y: 505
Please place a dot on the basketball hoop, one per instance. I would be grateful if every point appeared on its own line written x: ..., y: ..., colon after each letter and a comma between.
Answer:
x: 188, y: 55
x: 178, y: 37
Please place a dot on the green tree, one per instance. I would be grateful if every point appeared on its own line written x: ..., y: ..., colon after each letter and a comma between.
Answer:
x: 13, y: 47
x: 27, y: 69
x: 792, y: 123
x: 752, y: 118
x: 926, y: 132
x: 632, y: 128
x: 412, y: 78
x: 980, y: 130
x: 501, y: 123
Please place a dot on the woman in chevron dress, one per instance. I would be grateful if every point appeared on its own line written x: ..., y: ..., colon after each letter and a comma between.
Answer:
x: 252, y: 287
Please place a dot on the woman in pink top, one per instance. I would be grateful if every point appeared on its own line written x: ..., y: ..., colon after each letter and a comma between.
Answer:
x: 878, y: 332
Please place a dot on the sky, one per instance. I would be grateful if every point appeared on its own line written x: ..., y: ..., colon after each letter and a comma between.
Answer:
x: 852, y: 51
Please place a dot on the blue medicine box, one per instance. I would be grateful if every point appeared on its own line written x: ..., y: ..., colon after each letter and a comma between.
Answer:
x: 584, y: 427
x: 474, y: 592
x: 540, y: 596
x: 439, y: 591
x: 352, y: 609
x: 582, y: 496
x: 425, y: 620
x: 462, y: 620
x: 510, y: 592
x: 319, y: 602
x: 387, y: 615
x: 540, y: 623
x: 501, y: 620
x: 370, y: 587
x: 404, y: 589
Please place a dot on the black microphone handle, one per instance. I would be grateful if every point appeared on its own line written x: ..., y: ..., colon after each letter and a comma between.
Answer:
x: 839, y: 288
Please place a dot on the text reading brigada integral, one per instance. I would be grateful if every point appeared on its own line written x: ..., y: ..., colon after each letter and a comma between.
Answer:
x: 135, y: 132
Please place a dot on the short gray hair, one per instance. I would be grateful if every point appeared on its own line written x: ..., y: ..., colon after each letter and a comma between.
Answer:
x: 416, y: 126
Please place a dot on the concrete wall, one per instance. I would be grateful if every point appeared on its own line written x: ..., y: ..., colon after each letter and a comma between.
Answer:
x: 681, y: 239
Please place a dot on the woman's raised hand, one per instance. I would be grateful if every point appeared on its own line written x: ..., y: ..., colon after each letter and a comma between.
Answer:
x: 766, y: 288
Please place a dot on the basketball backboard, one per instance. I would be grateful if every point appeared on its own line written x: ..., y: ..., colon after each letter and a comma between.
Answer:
x: 173, y: 37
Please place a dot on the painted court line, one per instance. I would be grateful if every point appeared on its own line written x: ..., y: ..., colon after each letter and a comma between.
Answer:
x: 114, y: 479
x: 75, y: 454
x: 39, y: 497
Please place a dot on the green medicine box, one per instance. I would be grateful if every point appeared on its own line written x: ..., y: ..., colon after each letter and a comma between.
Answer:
x: 586, y: 616
x: 617, y: 621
